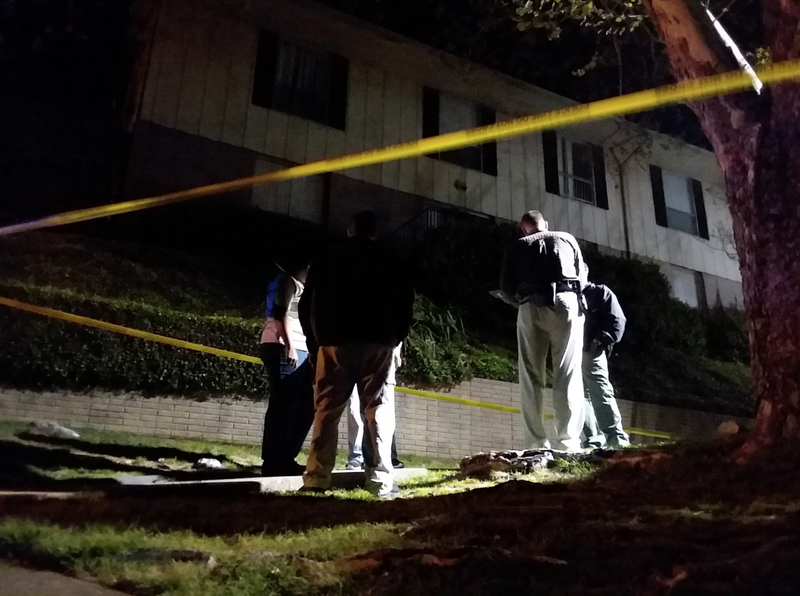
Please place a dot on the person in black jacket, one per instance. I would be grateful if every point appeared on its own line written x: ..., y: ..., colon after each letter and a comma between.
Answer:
x: 356, y: 308
x: 605, y: 325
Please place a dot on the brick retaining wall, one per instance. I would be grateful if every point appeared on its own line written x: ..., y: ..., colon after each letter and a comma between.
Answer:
x: 424, y: 426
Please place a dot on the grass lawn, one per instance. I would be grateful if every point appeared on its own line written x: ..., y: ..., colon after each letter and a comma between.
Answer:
x: 677, y: 521
x: 142, y: 559
x: 287, y: 563
x: 130, y: 454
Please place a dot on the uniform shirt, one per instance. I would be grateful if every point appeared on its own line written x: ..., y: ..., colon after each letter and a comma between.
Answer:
x: 534, y: 262
x: 283, y: 298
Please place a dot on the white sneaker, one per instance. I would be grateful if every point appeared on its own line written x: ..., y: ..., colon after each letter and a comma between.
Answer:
x: 389, y: 494
x: 351, y: 465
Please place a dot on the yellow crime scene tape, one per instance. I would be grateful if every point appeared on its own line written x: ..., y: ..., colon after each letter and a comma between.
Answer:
x: 178, y: 343
x: 690, y: 90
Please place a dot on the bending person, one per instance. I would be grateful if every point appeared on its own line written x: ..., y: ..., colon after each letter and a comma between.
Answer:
x: 605, y: 325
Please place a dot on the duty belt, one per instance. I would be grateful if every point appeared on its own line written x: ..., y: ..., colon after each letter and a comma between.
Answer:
x: 568, y: 286
x: 545, y: 294
x: 557, y: 288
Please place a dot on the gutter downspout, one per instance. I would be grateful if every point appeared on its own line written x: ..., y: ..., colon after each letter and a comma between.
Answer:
x: 620, y: 170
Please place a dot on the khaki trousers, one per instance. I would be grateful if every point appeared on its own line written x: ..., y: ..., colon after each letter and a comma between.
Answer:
x: 340, y: 369
x: 559, y: 329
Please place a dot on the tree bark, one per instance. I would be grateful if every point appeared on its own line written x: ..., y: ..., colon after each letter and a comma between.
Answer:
x: 757, y: 143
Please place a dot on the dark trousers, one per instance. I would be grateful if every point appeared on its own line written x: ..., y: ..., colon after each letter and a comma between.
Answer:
x: 290, y: 409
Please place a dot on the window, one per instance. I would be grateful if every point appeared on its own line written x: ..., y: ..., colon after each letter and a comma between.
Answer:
x: 307, y: 83
x: 443, y: 113
x: 575, y: 170
x: 678, y: 202
x: 687, y: 286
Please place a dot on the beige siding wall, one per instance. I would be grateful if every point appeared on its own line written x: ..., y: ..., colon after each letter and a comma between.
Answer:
x: 672, y: 246
x: 201, y: 80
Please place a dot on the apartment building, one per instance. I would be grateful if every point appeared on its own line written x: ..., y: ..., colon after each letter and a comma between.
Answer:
x: 242, y: 87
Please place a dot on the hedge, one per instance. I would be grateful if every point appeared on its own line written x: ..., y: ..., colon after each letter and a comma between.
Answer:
x: 439, y: 352
x: 38, y: 352
x: 42, y: 353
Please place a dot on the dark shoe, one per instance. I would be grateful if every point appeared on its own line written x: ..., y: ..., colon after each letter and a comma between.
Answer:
x: 398, y: 465
x: 314, y: 490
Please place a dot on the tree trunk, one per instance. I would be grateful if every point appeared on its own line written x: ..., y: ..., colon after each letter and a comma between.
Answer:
x: 757, y: 143
x: 766, y: 215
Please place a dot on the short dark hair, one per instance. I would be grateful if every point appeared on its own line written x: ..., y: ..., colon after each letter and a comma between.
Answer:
x: 534, y: 217
x: 364, y: 224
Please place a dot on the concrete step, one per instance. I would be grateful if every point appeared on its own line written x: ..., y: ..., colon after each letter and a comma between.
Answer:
x: 158, y: 486
x: 346, y: 479
x: 16, y: 581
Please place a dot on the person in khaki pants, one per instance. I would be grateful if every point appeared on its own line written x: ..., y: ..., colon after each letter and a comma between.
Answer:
x: 357, y: 307
x: 544, y: 273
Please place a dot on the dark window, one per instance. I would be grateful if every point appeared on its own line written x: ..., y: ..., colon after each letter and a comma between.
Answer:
x: 575, y: 170
x: 678, y: 202
x: 307, y: 83
x: 443, y: 113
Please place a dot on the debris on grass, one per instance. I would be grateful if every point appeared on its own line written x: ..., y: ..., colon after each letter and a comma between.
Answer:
x: 487, y: 465
x: 52, y: 429
x: 207, y: 463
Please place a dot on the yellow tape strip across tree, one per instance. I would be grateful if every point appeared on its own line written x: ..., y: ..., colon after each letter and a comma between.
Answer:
x: 691, y: 90
x: 188, y: 345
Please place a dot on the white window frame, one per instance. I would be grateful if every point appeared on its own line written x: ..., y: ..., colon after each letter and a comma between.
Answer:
x: 695, y: 231
x: 566, y: 173
x: 691, y: 282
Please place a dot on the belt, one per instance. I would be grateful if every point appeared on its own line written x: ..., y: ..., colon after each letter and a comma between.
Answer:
x: 545, y: 295
x: 560, y: 287
x: 566, y: 286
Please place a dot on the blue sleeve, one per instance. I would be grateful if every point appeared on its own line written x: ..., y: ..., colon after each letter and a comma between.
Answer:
x: 280, y: 292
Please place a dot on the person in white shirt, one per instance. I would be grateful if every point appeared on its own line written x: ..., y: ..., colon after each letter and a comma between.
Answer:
x: 356, y: 440
x: 283, y: 350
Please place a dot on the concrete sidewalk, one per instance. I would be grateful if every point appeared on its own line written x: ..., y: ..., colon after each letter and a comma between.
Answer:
x: 17, y: 581
x: 347, y: 479
x: 159, y: 486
